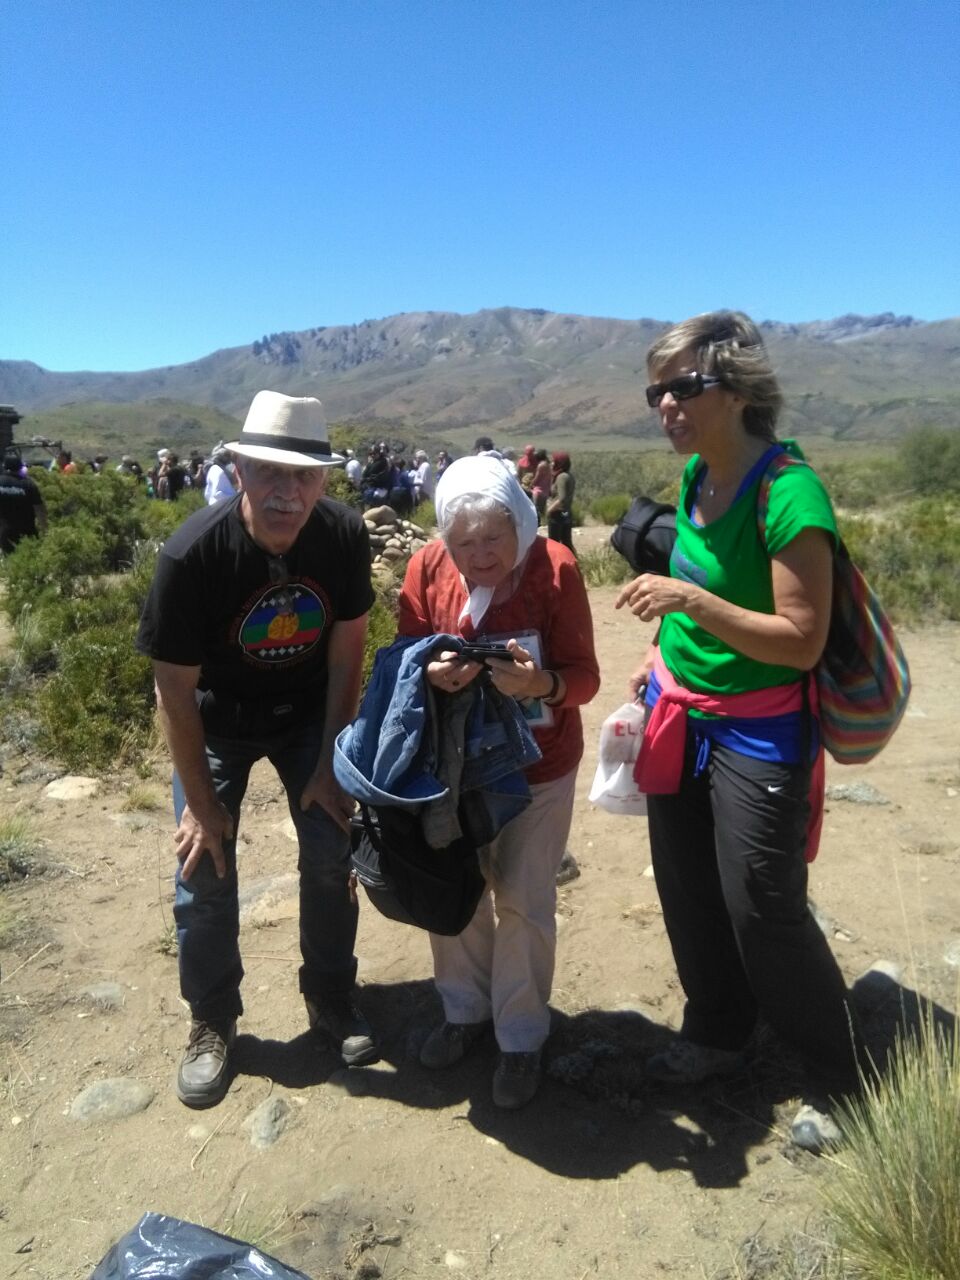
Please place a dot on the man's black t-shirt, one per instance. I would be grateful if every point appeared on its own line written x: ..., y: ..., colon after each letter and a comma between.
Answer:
x: 257, y: 625
x: 19, y: 499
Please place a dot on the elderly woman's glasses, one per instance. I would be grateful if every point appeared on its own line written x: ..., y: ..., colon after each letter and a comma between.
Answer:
x: 685, y: 387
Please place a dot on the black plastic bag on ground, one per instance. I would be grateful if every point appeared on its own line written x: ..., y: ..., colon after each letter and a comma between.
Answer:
x: 645, y: 536
x: 162, y: 1248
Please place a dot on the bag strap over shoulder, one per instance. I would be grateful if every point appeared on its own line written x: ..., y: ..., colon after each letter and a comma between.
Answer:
x: 779, y: 462
x: 863, y: 680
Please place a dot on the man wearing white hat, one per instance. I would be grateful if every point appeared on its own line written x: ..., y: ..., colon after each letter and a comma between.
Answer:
x: 255, y: 624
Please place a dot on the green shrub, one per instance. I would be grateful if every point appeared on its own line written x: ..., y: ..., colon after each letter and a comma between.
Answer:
x: 18, y: 848
x: 894, y: 1187
x: 159, y: 519
x: 604, y: 567
x: 929, y: 461
x: 859, y: 484
x: 42, y: 627
x: 381, y: 629
x: 652, y: 472
x: 340, y: 488
x: 611, y: 507
x: 114, y: 505
x: 39, y: 629
x: 911, y: 561
x: 60, y: 564
x: 424, y: 515
x: 97, y: 708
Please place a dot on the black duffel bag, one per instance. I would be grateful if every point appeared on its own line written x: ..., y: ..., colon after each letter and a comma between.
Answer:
x: 645, y: 536
x: 408, y: 881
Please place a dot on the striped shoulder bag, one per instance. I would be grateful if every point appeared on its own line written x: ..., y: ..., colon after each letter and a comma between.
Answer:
x: 863, y: 680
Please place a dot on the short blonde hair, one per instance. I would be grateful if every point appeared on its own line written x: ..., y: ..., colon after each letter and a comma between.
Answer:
x: 726, y: 345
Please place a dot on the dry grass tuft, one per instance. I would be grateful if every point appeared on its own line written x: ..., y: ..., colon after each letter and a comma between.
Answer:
x: 894, y: 1193
x: 140, y: 798
x: 18, y: 848
x: 266, y: 1229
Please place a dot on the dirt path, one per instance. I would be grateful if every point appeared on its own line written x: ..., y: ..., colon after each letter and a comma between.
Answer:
x: 392, y: 1169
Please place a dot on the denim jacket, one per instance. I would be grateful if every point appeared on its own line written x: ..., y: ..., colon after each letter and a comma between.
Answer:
x: 401, y: 748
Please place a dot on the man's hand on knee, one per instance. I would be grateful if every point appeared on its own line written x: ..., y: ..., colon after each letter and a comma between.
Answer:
x: 196, y: 836
x: 324, y: 790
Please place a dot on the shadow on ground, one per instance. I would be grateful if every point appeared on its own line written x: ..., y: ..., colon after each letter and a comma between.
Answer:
x: 596, y: 1115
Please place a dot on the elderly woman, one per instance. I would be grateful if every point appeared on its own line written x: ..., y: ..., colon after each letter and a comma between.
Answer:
x: 491, y: 579
x: 744, y: 620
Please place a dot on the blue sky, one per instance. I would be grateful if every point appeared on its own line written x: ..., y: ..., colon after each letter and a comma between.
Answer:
x: 183, y: 176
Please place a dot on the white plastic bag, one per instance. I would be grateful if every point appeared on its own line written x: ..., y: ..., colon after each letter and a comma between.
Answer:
x: 613, y: 786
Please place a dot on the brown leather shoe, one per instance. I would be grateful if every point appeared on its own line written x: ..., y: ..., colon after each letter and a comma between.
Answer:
x: 204, y: 1074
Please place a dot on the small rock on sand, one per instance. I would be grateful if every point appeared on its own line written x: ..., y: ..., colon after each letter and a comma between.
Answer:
x: 110, y: 1100
x: 855, y: 793
x: 72, y: 787
x: 267, y: 1122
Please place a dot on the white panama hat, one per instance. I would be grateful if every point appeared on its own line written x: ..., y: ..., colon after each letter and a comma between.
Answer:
x: 289, y: 430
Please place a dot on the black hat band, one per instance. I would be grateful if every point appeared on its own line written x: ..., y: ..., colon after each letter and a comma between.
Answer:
x: 292, y: 443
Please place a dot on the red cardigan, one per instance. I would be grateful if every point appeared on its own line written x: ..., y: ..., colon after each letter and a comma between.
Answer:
x: 551, y: 599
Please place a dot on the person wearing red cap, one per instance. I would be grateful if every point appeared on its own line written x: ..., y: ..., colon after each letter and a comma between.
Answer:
x: 560, y: 505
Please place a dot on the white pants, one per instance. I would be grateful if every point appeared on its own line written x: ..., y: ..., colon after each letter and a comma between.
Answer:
x: 503, y: 968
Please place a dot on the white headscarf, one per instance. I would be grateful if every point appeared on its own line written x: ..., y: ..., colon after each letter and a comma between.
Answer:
x: 485, y: 476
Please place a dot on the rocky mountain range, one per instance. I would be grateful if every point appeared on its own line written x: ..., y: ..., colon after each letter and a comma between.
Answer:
x: 535, y: 373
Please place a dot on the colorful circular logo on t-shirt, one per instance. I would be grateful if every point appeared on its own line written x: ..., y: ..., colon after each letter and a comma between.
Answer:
x: 285, y: 623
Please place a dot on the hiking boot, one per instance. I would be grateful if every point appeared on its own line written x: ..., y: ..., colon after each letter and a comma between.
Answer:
x: 516, y: 1079
x: 447, y: 1043
x: 683, y: 1062
x: 345, y: 1024
x: 815, y: 1130
x: 204, y: 1074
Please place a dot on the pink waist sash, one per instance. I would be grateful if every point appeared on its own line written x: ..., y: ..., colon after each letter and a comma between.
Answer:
x: 659, y: 765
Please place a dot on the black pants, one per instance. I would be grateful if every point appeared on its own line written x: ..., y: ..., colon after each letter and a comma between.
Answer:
x: 560, y: 528
x: 728, y: 859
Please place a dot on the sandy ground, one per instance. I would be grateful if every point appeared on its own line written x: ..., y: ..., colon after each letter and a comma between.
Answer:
x: 393, y: 1170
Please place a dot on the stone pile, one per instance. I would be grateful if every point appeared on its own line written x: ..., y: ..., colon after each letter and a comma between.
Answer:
x: 392, y: 539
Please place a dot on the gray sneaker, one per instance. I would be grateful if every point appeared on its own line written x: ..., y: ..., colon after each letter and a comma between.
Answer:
x: 815, y: 1130
x: 516, y: 1079
x: 345, y: 1024
x: 204, y: 1074
x: 683, y: 1062
x: 447, y: 1043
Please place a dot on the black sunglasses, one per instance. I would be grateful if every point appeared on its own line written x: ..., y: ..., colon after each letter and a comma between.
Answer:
x: 685, y: 387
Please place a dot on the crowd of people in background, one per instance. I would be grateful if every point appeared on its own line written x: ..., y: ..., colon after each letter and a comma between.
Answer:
x: 213, y: 474
x: 389, y: 478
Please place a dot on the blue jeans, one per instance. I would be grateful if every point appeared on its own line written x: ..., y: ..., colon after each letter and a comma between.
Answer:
x: 207, y: 910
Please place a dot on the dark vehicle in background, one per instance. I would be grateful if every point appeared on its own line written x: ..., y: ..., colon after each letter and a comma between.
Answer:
x: 35, y: 452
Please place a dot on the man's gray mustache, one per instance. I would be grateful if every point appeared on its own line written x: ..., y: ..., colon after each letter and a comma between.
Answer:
x: 288, y: 508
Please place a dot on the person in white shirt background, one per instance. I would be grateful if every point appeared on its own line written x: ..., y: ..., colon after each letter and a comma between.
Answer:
x: 423, y: 478
x: 354, y: 468
x: 219, y: 482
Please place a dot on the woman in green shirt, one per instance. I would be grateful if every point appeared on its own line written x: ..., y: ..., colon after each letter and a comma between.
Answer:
x: 744, y: 619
